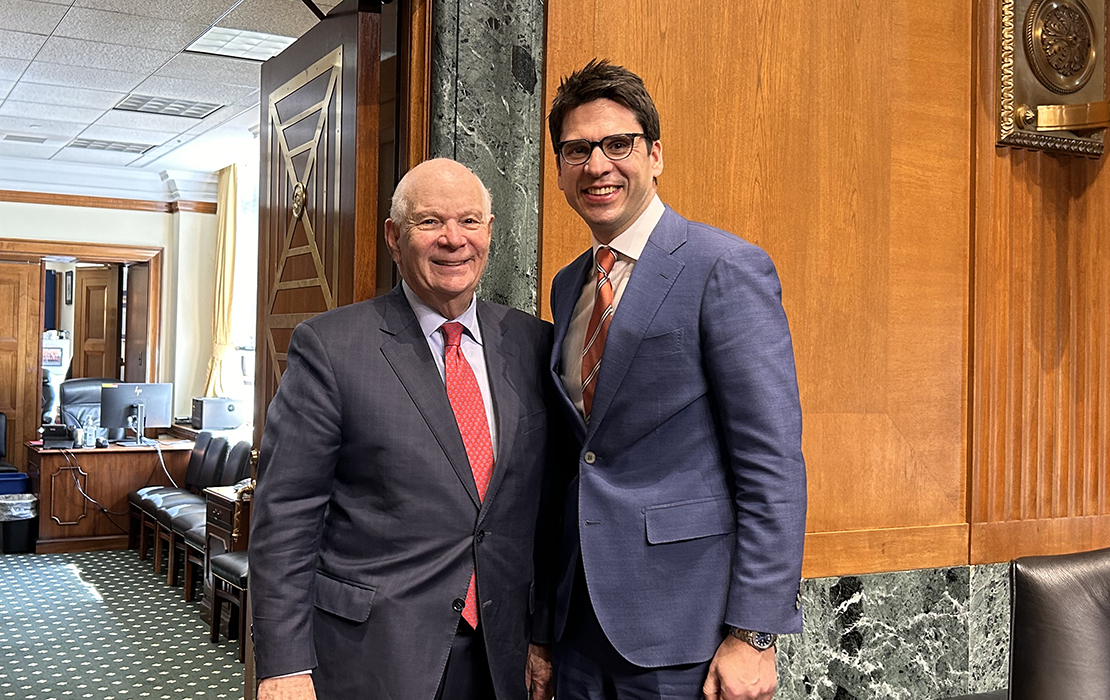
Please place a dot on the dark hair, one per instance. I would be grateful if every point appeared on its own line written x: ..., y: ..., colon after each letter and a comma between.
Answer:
x: 600, y: 79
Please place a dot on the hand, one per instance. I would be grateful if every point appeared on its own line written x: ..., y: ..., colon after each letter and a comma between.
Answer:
x: 740, y: 672
x: 287, y: 688
x: 537, y: 674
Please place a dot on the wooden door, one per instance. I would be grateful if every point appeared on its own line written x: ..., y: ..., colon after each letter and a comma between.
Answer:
x: 96, y: 322
x: 136, y: 362
x: 20, y: 352
x: 317, y: 197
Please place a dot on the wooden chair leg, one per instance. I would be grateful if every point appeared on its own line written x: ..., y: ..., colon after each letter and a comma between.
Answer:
x: 133, y: 527
x: 171, y: 565
x: 217, y: 603
x: 188, y: 575
x: 242, y: 626
x: 143, y: 542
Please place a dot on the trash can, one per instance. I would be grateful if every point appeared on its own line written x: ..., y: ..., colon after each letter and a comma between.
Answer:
x: 19, y: 523
x: 15, y: 482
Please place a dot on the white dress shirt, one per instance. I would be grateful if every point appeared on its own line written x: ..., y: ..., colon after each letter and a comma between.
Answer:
x: 628, y: 246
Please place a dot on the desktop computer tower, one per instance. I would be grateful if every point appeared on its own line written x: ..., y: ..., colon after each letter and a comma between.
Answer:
x: 211, y: 413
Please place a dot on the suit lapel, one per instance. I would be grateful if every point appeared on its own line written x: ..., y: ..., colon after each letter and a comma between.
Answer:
x: 408, y: 354
x: 564, y: 296
x: 500, y: 348
x: 652, y: 278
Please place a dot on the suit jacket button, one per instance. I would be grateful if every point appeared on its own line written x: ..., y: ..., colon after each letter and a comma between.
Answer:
x: 590, y: 457
x: 458, y: 605
x: 480, y: 536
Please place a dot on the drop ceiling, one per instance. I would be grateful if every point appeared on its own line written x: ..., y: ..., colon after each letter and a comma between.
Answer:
x: 66, y: 64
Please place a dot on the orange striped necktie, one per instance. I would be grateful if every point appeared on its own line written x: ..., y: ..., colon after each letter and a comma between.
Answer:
x: 598, y: 328
x: 470, y: 414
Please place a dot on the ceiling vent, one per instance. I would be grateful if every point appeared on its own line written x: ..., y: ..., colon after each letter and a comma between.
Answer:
x: 25, y: 139
x: 239, y: 43
x: 113, y: 146
x: 167, y: 105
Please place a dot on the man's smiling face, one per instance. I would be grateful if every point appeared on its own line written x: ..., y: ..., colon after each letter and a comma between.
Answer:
x: 442, y: 246
x: 609, y: 195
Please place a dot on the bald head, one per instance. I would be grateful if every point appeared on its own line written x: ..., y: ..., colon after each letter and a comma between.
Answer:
x: 438, y: 233
x: 445, y: 172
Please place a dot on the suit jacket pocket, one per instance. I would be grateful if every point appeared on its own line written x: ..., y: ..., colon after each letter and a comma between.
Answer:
x: 689, y: 520
x: 347, y: 600
x: 661, y: 344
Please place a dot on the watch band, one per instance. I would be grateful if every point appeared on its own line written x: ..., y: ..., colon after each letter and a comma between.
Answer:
x: 761, y: 641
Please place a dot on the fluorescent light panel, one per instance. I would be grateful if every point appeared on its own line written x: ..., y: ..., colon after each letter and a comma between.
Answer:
x: 239, y: 43
x: 167, y: 105
x: 25, y: 139
x: 114, y: 146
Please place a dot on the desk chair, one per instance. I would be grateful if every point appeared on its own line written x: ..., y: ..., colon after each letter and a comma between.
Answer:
x: 1059, y: 628
x: 229, y: 577
x: 79, y: 399
x: 143, y: 501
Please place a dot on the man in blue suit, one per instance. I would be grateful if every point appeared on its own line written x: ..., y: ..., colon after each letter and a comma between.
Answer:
x: 685, y: 518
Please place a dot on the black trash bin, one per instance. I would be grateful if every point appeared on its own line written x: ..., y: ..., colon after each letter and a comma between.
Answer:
x: 19, y: 523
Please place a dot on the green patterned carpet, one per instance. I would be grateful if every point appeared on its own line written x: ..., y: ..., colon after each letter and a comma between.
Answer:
x: 101, y: 625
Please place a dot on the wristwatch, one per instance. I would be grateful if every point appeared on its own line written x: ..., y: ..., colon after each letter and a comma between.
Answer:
x: 761, y: 641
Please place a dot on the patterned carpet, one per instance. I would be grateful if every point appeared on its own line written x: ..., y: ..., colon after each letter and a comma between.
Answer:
x: 101, y: 625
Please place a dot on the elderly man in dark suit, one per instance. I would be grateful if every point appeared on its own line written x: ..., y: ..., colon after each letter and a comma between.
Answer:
x: 682, y: 548
x: 399, y: 487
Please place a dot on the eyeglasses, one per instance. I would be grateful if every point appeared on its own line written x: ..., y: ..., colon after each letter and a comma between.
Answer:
x: 615, y: 147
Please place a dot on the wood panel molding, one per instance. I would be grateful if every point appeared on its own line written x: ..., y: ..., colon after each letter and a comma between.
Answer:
x: 853, y: 552
x: 995, y: 542
x: 75, y: 200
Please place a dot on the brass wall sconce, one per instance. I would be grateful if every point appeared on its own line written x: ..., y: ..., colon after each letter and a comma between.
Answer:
x: 1053, y: 76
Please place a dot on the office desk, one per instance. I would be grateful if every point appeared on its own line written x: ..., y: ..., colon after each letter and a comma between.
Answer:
x: 68, y: 522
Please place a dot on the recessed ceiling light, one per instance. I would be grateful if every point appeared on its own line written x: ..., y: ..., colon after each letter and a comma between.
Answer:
x: 167, y: 105
x: 114, y: 146
x: 240, y: 43
x: 25, y: 139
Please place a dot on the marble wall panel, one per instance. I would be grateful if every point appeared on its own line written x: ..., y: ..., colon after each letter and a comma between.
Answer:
x: 486, y: 113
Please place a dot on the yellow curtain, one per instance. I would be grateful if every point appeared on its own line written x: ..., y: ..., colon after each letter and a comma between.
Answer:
x: 215, y: 384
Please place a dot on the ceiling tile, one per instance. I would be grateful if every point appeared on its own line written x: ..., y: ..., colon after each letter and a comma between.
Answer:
x: 130, y: 30
x: 80, y: 76
x: 144, y: 120
x: 32, y: 110
x: 20, y: 44
x: 281, y: 17
x: 27, y: 150
x: 12, y: 68
x: 191, y: 90
x: 218, y: 69
x: 94, y: 54
x: 40, y: 127
x: 202, y: 11
x: 5, y: 85
x: 28, y: 16
x: 59, y: 95
x: 88, y: 155
x: 115, y: 133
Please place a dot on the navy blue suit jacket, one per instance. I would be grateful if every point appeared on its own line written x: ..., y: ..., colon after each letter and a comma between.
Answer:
x: 689, y: 503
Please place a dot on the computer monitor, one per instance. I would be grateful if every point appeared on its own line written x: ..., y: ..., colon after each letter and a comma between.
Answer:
x: 136, y: 407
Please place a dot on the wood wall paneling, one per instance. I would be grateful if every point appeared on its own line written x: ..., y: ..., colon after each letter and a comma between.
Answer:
x: 20, y: 354
x: 840, y: 144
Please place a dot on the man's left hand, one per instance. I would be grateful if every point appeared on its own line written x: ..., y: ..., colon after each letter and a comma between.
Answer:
x: 537, y: 674
x: 740, y: 672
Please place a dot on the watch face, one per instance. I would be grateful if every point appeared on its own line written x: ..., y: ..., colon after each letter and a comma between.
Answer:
x: 763, y: 640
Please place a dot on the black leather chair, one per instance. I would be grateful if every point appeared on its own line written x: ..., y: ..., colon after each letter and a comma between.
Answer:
x: 174, y: 504
x: 236, y: 468
x: 80, y: 398
x: 5, y: 465
x: 1059, y: 628
x: 142, y: 520
x: 229, y: 576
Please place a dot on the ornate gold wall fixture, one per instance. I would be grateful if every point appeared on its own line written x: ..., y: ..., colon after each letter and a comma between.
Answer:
x: 1052, y: 71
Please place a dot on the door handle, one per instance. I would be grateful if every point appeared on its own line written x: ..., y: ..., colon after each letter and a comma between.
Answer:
x: 1078, y: 117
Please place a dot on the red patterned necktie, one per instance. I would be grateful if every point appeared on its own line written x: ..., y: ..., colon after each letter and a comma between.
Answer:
x: 599, y: 327
x: 470, y: 414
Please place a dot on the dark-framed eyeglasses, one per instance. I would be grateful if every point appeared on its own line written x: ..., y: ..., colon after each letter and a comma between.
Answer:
x: 615, y: 147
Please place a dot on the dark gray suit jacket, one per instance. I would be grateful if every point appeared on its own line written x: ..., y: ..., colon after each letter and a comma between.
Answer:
x: 367, y: 522
x: 690, y: 501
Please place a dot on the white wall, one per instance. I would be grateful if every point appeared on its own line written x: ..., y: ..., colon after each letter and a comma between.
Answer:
x: 188, y: 242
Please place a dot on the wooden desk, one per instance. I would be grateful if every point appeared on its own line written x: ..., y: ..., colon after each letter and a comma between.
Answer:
x: 68, y: 522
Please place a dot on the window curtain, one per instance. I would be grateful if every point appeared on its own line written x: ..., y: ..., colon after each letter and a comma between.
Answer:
x: 220, y: 373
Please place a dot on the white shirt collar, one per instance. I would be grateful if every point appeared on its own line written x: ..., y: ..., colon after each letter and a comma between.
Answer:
x: 631, y: 242
x: 430, y: 320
